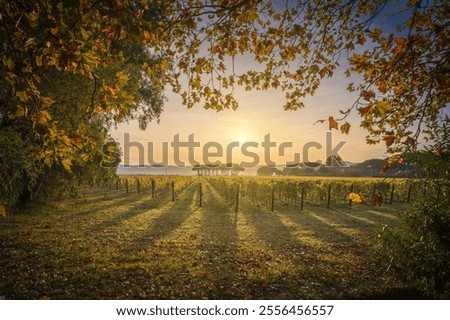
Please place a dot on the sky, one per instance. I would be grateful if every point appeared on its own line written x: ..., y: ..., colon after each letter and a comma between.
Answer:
x: 260, y: 113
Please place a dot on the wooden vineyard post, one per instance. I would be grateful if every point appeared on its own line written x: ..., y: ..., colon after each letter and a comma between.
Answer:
x: 173, y: 191
x: 138, y: 186
x: 373, y: 195
x: 408, y: 198
x: 329, y: 196
x: 302, y: 199
x: 350, y: 200
x: 273, y: 199
x: 153, y: 188
x: 201, y: 194
x: 126, y: 184
x: 392, y: 193
x: 236, y: 208
x: 117, y: 185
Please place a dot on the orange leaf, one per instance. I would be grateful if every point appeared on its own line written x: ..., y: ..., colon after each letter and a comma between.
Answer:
x: 367, y: 95
x: 389, y: 140
x: 332, y: 123
x: 365, y: 110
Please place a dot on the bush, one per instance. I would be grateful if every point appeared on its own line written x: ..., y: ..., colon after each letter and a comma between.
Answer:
x: 419, y: 251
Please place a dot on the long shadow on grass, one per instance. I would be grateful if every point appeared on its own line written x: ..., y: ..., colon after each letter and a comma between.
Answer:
x: 219, y: 245
x: 317, y: 223
x: 124, y: 200
x: 141, y: 206
x: 284, y: 271
x: 166, y: 222
x: 340, y: 218
x: 368, y: 213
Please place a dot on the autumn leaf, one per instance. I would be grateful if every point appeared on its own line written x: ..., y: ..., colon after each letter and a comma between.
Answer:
x: 389, y: 140
x: 122, y: 78
x: 41, y: 117
x: 20, y: 112
x: 356, y: 197
x: 332, y: 123
x: 2, y: 211
x: 323, y: 72
x: 367, y: 94
x: 9, y: 62
x: 67, y: 164
x: 363, y: 111
x: 47, y: 101
x: 345, y: 128
x: 361, y: 40
x: 382, y: 86
x: 375, y: 34
x: 23, y: 96
x: 382, y: 107
x: 48, y: 160
x: 410, y: 141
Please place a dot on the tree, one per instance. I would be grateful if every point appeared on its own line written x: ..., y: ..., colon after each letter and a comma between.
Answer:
x: 70, y: 70
x: 267, y: 171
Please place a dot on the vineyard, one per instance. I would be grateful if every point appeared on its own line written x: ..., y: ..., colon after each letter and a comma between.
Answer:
x: 269, y: 192
x: 189, y: 237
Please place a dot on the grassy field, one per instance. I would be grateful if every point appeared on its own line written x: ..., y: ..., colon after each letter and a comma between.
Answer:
x: 130, y: 246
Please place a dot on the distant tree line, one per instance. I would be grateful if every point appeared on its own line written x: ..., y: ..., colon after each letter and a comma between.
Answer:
x: 339, y: 168
x: 218, y: 169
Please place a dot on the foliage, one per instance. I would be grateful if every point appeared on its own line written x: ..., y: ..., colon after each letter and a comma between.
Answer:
x: 267, y: 171
x: 420, y: 249
x: 288, y: 190
x: 69, y: 70
x: 404, y: 64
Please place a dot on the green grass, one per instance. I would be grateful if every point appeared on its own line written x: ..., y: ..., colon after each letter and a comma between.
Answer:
x: 129, y: 246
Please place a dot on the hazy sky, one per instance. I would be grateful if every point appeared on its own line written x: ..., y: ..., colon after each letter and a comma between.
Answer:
x: 260, y: 113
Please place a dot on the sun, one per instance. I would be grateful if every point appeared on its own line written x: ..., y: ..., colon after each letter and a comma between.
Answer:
x: 242, y: 138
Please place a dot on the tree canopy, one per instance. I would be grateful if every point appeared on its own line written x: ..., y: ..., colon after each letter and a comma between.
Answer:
x: 71, y: 69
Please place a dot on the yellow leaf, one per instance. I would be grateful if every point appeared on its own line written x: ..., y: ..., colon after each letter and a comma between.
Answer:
x: 48, y: 161
x: 376, y: 33
x: 314, y: 69
x: 8, y: 62
x: 356, y: 197
x: 67, y: 164
x: 23, y: 96
x: 122, y: 78
x: 47, y: 101
x: 382, y: 107
x: 20, y: 112
x: 149, y: 36
x: 2, y: 211
x: 42, y: 117
x: 164, y: 64
x: 84, y: 34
